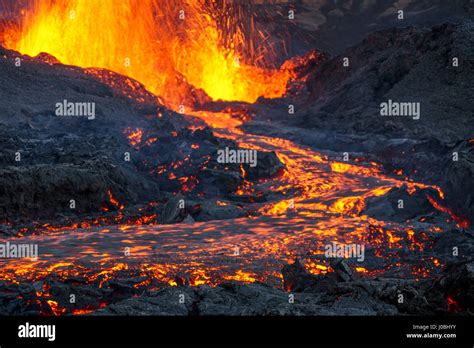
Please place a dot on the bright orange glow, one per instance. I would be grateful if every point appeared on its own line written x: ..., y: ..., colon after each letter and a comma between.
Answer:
x: 361, y: 270
x: 165, y: 44
x: 315, y: 268
x: 242, y: 276
x: 113, y: 201
x: 460, y: 221
x: 55, y: 308
x: 339, y: 167
x: 134, y: 136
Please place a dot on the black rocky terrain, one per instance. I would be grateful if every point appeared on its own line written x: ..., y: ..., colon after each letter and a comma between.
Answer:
x: 342, y: 292
x: 333, y: 26
x: 48, y: 160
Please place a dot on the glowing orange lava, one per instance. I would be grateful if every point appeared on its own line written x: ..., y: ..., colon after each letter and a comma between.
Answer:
x: 167, y: 45
x: 317, y: 200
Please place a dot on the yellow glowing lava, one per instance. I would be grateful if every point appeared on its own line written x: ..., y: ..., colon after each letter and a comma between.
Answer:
x: 165, y: 44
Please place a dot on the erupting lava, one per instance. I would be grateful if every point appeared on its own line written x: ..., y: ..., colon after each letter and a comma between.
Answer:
x: 168, y: 45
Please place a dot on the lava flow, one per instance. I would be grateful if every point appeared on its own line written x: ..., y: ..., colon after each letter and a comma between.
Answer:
x: 324, y: 205
x: 317, y: 200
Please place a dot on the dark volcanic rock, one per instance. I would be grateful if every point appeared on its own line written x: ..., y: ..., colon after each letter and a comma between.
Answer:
x: 45, y: 190
x: 448, y: 242
x: 296, y: 278
x: 67, y: 158
x: 267, y: 166
x: 219, y: 182
x: 134, y: 151
x: 342, y: 270
x: 458, y: 285
x: 210, y: 210
x: 458, y: 178
x: 398, y: 64
x: 174, y: 210
x: 170, y: 301
x: 407, y: 296
x: 246, y: 299
x: 398, y: 205
x: 332, y: 26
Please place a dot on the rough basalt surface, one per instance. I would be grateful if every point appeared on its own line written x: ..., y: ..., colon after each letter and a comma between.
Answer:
x: 46, y: 161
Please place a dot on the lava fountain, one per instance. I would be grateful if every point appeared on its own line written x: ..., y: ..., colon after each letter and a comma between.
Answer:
x: 168, y: 45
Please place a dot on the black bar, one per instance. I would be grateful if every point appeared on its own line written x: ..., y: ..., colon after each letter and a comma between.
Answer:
x: 239, y: 330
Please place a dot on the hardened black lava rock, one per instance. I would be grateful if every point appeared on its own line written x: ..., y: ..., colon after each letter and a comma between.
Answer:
x: 131, y: 152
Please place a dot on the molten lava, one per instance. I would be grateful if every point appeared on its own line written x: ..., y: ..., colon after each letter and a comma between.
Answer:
x: 318, y: 201
x: 171, y: 46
